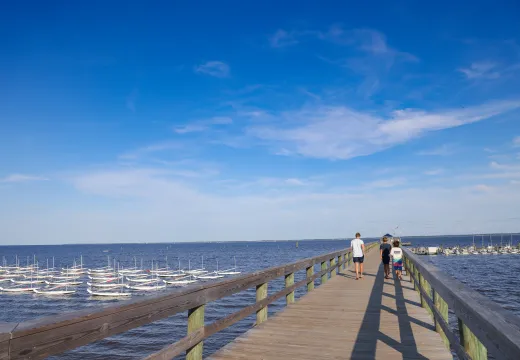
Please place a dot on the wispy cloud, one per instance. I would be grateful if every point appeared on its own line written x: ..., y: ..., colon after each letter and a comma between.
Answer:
x: 386, y: 183
x: 516, y: 141
x: 443, y: 150
x: 283, y: 38
x: 338, y: 132
x: 481, y: 70
x: 20, y: 178
x: 433, y: 172
x: 203, y: 125
x: 214, y: 68
x: 149, y: 149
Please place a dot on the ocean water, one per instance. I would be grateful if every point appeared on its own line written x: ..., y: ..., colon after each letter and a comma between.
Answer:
x: 494, y: 276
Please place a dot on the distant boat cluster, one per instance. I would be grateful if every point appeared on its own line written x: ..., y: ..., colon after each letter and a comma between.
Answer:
x: 112, y: 280
x: 490, y: 249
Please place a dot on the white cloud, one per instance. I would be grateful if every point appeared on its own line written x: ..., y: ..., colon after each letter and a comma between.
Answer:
x: 202, y: 125
x: 214, y: 68
x: 339, y: 132
x: 483, y: 188
x: 19, y: 178
x: 282, y: 38
x: 154, y: 148
x: 385, y: 183
x: 433, y: 172
x: 145, y: 205
x: 516, y: 141
x: 481, y: 70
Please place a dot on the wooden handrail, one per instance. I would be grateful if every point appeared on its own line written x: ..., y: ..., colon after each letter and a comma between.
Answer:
x: 40, y: 338
x: 484, y: 326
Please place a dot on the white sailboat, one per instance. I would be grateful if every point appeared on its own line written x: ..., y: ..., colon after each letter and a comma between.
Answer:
x: 232, y: 271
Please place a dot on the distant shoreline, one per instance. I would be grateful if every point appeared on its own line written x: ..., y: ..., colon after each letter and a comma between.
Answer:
x: 264, y: 241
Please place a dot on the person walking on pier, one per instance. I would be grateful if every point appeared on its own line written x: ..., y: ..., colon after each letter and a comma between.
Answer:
x: 397, y: 259
x: 358, y: 255
x: 385, y: 249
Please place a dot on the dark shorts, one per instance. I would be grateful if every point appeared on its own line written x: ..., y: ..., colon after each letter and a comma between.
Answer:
x: 359, y: 259
x: 386, y: 260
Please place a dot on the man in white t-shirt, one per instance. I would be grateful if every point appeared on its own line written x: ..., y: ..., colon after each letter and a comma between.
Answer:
x: 358, y: 255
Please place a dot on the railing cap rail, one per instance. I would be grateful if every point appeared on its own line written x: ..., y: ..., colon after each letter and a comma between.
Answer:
x: 497, y: 328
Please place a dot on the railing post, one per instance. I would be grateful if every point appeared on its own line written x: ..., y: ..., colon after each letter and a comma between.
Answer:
x: 341, y: 261
x: 421, y: 282
x: 289, y: 281
x: 324, y: 276
x: 195, y: 322
x: 310, y: 273
x: 426, y: 286
x: 261, y: 294
x: 442, y: 307
x: 471, y: 343
x: 332, y: 263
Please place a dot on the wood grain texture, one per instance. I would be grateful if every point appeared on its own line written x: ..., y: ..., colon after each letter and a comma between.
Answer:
x: 289, y: 281
x: 261, y: 294
x: 346, y: 318
x: 496, y: 328
x: 195, y: 323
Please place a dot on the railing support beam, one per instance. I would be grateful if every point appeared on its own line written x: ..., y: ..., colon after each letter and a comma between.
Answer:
x: 289, y: 281
x: 310, y: 284
x: 261, y: 294
x: 195, y: 322
x: 325, y: 276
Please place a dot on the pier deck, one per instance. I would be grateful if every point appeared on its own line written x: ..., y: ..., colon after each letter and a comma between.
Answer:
x: 373, y: 318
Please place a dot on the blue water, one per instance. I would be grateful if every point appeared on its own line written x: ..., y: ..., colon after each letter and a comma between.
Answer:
x: 494, y: 276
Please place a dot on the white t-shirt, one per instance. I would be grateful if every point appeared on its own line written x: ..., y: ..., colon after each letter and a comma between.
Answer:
x: 396, y: 253
x: 357, y: 251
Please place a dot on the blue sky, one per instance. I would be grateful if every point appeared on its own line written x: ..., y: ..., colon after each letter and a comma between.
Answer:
x: 198, y: 121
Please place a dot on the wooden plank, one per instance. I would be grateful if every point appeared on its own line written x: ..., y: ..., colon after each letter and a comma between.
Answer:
x: 195, y: 322
x: 325, y: 276
x: 261, y: 294
x: 498, y: 329
x: 310, y: 283
x: 177, y: 348
x: 442, y: 308
x: 289, y: 281
x: 332, y: 264
x: 41, y: 338
x: 6, y: 330
x: 471, y: 344
x: 345, y: 318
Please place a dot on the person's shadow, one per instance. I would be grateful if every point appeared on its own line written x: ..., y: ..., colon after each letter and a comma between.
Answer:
x: 369, y: 333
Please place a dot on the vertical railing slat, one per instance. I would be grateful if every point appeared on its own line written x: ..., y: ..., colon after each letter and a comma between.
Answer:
x: 471, y: 343
x: 289, y: 281
x: 325, y: 275
x: 310, y: 273
x: 195, y: 322
x: 261, y: 294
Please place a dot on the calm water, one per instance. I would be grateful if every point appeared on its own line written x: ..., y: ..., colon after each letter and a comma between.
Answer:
x: 494, y: 276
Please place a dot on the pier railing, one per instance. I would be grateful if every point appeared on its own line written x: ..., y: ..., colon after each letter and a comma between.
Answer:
x: 483, y: 326
x: 40, y: 338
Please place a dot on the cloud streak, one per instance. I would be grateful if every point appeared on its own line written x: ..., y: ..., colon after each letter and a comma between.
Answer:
x: 21, y: 178
x: 203, y: 125
x: 339, y: 132
x: 217, y: 69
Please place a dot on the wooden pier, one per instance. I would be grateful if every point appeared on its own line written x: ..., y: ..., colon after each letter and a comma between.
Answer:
x: 342, y: 318
x: 372, y: 318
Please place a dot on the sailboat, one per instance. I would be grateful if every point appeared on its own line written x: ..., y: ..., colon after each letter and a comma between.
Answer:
x: 107, y: 292
x: 232, y: 271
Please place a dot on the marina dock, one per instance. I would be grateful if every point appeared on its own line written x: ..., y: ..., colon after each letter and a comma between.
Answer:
x: 338, y: 318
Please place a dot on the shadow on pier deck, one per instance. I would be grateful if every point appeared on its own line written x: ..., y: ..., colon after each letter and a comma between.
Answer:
x: 373, y: 318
